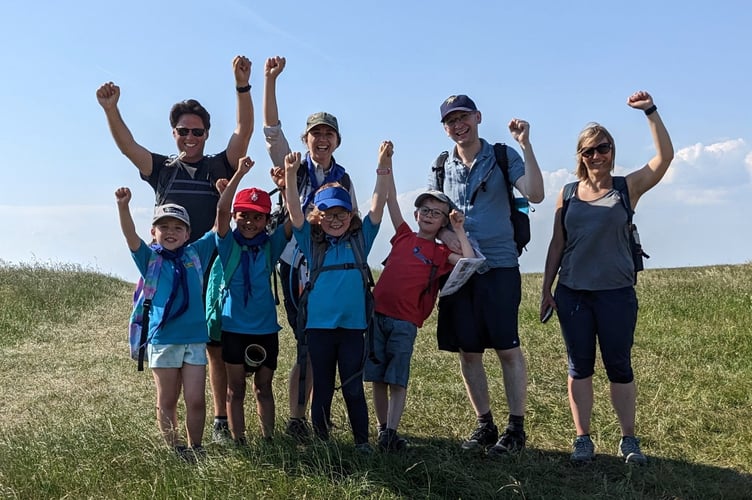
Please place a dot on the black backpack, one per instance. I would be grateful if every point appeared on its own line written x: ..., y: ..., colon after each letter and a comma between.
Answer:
x: 620, y: 184
x: 520, y: 220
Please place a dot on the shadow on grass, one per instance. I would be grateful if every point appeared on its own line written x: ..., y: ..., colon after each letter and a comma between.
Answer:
x: 438, y: 468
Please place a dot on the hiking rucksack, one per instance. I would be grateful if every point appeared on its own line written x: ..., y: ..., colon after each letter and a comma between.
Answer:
x: 620, y: 185
x: 518, y: 207
x: 315, y: 269
x: 138, y: 326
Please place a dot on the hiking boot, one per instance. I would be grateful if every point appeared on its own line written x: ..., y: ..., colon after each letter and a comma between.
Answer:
x: 629, y: 448
x: 483, y: 436
x: 221, y: 432
x: 583, y: 450
x: 509, y: 442
x: 364, y: 448
x: 389, y: 440
x: 298, y: 428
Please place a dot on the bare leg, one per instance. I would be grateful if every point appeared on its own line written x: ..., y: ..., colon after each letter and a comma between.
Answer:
x: 194, y: 387
x: 380, y: 402
x: 297, y: 410
x: 397, y: 398
x: 476, y: 383
x: 262, y: 385
x: 167, y: 382
x: 217, y: 379
x: 624, y: 400
x: 515, y: 379
x: 236, y: 387
x: 581, y: 403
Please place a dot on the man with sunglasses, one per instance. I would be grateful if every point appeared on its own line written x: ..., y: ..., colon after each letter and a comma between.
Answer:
x: 188, y: 179
x: 483, y: 313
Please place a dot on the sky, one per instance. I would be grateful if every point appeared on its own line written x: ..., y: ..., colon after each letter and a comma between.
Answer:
x: 383, y: 68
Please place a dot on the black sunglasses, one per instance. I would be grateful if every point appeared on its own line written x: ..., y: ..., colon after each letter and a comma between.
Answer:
x: 601, y: 148
x: 183, y: 131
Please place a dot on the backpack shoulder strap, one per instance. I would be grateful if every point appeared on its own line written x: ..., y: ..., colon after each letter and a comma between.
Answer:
x: 192, y: 254
x: 567, y: 194
x: 152, y: 276
x: 620, y: 184
x: 232, y: 263
x: 439, y: 169
x: 357, y: 240
x: 502, y: 160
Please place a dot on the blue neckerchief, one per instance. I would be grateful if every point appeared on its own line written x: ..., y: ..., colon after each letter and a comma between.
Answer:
x: 179, y: 281
x: 334, y: 175
x: 254, y: 245
x: 332, y: 240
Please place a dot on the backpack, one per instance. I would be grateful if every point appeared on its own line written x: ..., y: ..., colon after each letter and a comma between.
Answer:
x: 518, y: 207
x: 315, y: 269
x: 619, y: 184
x: 217, y: 288
x: 138, y: 325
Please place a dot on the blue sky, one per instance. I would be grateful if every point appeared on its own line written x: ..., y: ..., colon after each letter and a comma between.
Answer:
x: 382, y: 68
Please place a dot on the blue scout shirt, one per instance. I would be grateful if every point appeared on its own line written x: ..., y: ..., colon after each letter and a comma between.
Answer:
x: 189, y: 327
x: 487, y: 220
x: 259, y: 317
x: 338, y: 298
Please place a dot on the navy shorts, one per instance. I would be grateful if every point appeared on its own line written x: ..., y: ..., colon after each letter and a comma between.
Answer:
x: 393, y: 341
x: 482, y: 314
x: 234, y: 345
x: 608, y: 317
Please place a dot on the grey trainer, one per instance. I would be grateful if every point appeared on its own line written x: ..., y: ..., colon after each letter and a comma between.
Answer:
x: 583, y: 450
x: 629, y: 448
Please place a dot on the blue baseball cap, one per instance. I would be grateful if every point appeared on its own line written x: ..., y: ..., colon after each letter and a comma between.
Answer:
x: 331, y: 197
x: 457, y: 103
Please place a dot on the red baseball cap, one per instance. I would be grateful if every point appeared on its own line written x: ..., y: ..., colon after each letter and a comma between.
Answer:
x: 252, y: 200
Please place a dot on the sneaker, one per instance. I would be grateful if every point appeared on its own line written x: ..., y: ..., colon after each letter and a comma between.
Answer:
x: 198, y: 452
x: 629, y: 448
x: 298, y: 428
x: 584, y: 450
x: 221, y: 432
x: 364, y: 448
x: 482, y: 437
x: 509, y: 442
x: 389, y: 440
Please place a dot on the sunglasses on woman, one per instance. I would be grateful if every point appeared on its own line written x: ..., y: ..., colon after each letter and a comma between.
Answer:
x: 602, y: 149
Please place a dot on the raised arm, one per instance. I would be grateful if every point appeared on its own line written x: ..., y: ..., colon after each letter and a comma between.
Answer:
x: 108, y: 95
x: 292, y: 160
x: 384, y: 180
x: 392, y: 204
x: 228, y: 190
x: 457, y: 220
x: 553, y: 258
x: 531, y: 182
x: 640, y: 181
x: 123, y: 198
x: 241, y: 136
x: 276, y: 143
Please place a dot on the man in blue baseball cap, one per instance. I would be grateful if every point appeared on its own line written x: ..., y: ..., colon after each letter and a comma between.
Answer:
x: 483, y: 313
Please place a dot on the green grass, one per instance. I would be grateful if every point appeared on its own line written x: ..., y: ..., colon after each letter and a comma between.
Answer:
x: 77, y: 419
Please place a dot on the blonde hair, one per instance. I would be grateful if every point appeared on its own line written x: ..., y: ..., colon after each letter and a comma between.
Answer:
x: 592, y: 131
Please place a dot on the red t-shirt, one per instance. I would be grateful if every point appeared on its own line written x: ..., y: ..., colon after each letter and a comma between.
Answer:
x: 399, y: 293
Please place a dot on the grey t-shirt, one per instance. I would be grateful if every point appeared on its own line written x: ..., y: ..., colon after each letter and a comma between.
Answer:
x: 597, y: 252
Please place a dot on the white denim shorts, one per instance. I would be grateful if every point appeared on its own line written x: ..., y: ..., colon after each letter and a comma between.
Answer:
x: 175, y: 355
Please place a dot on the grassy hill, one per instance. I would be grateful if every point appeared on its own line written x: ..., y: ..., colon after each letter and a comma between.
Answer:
x: 77, y: 419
